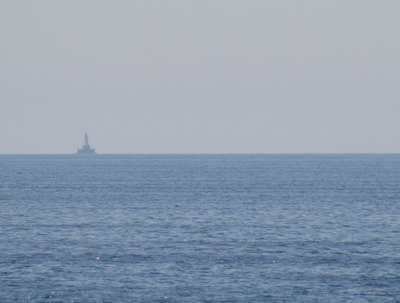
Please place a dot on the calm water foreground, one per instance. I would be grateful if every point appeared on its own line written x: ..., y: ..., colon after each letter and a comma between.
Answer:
x: 200, y: 228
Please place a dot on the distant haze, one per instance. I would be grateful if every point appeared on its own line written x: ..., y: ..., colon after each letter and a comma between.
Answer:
x: 219, y: 76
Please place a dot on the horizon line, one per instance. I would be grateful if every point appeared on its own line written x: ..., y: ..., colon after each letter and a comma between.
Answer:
x: 211, y: 153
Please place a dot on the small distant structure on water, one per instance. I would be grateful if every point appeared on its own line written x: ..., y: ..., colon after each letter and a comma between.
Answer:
x: 86, y: 147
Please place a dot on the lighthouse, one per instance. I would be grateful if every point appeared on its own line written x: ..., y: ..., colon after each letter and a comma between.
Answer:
x: 86, y: 147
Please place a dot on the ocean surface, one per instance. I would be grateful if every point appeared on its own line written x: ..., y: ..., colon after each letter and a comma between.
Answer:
x: 200, y: 228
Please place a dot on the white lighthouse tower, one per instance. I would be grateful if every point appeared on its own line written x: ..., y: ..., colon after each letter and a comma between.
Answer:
x: 86, y: 147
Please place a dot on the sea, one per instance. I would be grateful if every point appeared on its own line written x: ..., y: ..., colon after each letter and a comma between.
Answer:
x: 200, y: 228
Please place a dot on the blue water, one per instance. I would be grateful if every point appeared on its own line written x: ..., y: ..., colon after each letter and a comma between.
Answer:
x: 200, y: 228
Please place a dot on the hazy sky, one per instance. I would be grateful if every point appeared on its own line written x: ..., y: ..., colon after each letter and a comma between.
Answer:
x: 204, y: 76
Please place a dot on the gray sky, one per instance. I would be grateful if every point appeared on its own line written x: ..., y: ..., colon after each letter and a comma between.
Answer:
x: 204, y: 76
